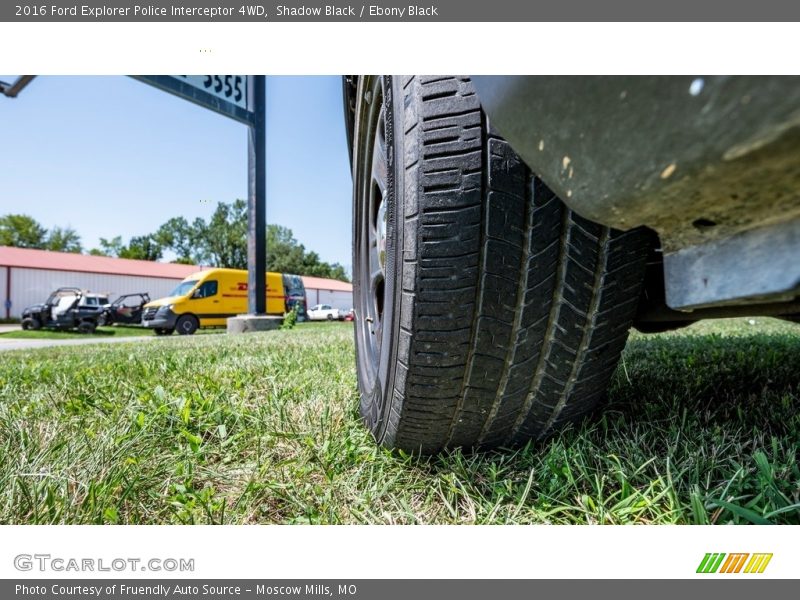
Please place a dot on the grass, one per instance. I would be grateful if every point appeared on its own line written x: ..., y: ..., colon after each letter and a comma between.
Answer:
x: 100, y: 332
x: 702, y: 426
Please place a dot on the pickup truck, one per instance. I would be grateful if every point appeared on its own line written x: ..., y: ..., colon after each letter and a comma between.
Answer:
x: 323, y: 312
x: 509, y: 231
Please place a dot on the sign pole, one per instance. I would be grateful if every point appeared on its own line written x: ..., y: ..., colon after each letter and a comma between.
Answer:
x: 257, y: 202
x: 243, y: 99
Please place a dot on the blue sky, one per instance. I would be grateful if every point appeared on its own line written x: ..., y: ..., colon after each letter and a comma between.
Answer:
x: 112, y: 156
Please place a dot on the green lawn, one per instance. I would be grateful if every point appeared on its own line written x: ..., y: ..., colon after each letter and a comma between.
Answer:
x: 703, y: 426
x: 100, y: 332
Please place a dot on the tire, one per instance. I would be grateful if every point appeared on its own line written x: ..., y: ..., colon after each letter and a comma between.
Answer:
x: 30, y: 324
x: 487, y: 312
x: 87, y: 327
x: 329, y: 317
x: 162, y: 331
x: 186, y: 325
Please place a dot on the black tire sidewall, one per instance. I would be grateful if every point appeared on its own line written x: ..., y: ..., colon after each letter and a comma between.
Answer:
x: 376, y: 382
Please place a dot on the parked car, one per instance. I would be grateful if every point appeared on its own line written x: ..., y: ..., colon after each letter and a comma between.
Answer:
x: 294, y: 291
x: 208, y: 298
x: 65, y: 309
x: 509, y: 231
x: 126, y: 310
x: 347, y: 315
x: 323, y: 312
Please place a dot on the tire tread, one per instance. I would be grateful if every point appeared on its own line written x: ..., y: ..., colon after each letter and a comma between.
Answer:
x: 513, y: 309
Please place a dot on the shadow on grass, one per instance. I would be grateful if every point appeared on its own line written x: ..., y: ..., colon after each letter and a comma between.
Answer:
x: 696, y: 429
x: 737, y: 381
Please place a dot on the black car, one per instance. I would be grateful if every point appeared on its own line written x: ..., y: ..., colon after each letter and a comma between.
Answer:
x: 126, y: 310
x: 65, y: 309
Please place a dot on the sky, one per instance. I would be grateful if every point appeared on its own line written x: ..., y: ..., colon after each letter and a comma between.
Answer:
x: 112, y: 156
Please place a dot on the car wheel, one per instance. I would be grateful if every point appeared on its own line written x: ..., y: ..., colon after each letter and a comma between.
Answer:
x: 186, y: 324
x: 329, y: 317
x: 30, y: 324
x: 487, y: 312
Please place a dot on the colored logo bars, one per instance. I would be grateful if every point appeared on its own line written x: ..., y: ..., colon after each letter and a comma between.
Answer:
x: 719, y: 562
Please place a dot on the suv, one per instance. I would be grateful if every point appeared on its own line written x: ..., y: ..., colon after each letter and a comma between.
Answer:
x: 509, y: 231
x: 67, y: 308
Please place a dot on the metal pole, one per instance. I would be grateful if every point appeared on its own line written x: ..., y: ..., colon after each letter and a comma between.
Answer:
x: 15, y: 88
x: 257, y: 202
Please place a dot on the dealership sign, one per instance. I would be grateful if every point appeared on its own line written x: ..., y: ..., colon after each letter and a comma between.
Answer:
x: 242, y: 98
x: 229, y: 95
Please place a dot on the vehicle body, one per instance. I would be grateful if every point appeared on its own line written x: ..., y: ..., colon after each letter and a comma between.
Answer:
x: 208, y: 298
x: 294, y: 291
x: 496, y: 278
x: 346, y: 315
x: 323, y: 312
x: 67, y: 308
x: 126, y: 310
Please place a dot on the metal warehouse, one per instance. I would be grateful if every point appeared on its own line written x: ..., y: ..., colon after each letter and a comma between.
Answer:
x: 28, y: 276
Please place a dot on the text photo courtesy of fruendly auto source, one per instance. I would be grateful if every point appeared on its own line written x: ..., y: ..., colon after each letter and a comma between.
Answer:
x: 234, y: 299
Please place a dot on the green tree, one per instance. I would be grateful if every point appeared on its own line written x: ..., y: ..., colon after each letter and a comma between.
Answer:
x: 221, y: 242
x: 142, y: 247
x: 110, y: 247
x: 224, y: 238
x: 22, y: 231
x: 338, y: 272
x: 64, y: 239
x: 284, y: 253
x: 180, y: 237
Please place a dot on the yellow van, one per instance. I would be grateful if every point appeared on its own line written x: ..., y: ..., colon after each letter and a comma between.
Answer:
x: 208, y: 298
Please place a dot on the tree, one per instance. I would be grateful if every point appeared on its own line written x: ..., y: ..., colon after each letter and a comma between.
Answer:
x: 21, y: 231
x: 64, y: 239
x: 222, y: 242
x: 110, y: 247
x: 224, y: 237
x: 142, y: 247
x: 284, y: 253
x: 338, y: 272
x: 179, y: 236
